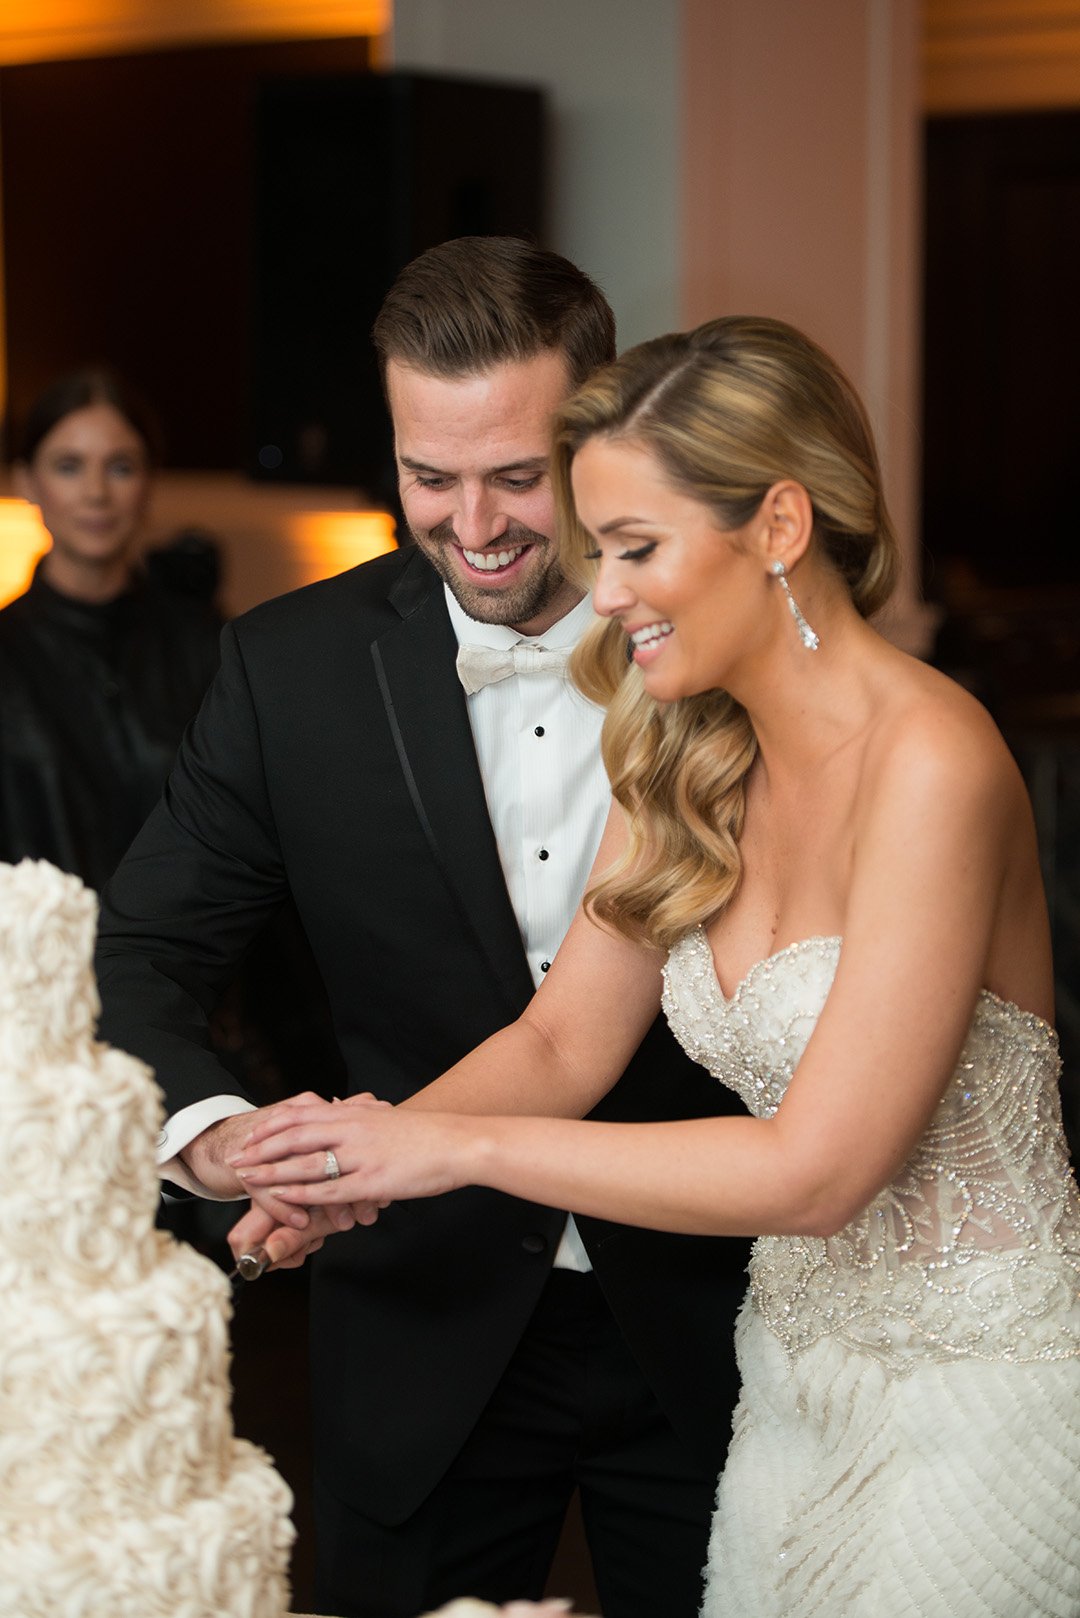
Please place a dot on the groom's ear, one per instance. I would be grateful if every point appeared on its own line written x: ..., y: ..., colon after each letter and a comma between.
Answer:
x: 786, y: 523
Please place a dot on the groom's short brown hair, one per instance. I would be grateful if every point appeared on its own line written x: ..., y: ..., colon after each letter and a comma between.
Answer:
x: 478, y: 301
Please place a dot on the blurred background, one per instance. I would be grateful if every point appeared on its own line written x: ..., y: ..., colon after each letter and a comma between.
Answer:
x: 212, y: 196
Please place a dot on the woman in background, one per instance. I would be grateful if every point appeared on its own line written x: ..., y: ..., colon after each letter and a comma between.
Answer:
x: 823, y: 863
x: 100, y: 668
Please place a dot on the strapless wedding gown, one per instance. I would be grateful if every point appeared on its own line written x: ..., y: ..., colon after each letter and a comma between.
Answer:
x: 907, y: 1440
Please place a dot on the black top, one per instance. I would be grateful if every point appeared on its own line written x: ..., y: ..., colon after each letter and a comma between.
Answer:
x: 94, y: 699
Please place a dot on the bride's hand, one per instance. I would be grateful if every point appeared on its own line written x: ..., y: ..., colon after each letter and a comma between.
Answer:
x: 382, y: 1152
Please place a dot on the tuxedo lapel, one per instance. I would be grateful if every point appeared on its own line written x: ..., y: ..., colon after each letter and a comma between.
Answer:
x: 429, y: 721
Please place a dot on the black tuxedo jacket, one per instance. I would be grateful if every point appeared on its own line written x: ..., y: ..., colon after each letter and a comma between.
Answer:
x: 333, y: 761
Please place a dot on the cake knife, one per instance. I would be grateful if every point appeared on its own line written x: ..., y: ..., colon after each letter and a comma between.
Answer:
x: 249, y: 1266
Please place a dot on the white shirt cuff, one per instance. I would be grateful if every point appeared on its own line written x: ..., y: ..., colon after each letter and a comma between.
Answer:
x: 180, y: 1130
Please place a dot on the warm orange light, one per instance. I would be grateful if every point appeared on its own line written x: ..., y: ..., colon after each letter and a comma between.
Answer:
x: 318, y: 544
x: 40, y: 30
x: 327, y: 542
x: 22, y: 541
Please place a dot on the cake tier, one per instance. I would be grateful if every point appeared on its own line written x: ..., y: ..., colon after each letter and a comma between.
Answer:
x: 122, y: 1489
x: 78, y: 1184
x: 48, y: 997
x: 120, y: 1393
x: 219, y: 1556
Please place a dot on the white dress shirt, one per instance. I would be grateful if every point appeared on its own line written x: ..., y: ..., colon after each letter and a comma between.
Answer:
x: 538, y: 745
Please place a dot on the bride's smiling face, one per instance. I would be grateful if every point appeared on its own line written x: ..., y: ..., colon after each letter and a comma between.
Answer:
x: 687, y: 592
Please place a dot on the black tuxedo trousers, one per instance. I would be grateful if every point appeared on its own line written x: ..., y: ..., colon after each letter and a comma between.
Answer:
x: 332, y: 763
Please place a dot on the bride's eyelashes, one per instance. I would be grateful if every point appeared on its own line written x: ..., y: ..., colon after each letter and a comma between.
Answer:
x: 640, y: 553
x: 637, y: 555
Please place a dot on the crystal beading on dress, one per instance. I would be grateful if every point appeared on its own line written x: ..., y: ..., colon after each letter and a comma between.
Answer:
x: 973, y: 1251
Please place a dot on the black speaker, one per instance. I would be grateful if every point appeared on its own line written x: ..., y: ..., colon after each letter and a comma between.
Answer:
x: 354, y: 177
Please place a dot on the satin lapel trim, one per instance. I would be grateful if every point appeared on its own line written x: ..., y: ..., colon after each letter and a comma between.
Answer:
x: 429, y: 721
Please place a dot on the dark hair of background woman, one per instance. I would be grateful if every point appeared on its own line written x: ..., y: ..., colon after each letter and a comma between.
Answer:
x: 77, y: 391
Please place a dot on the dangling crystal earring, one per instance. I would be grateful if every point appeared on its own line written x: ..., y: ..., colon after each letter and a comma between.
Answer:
x: 806, y: 634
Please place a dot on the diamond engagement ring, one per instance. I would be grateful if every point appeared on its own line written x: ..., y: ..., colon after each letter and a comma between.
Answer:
x: 332, y: 1171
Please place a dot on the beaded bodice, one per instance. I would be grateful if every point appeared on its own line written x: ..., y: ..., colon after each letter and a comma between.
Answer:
x: 973, y: 1251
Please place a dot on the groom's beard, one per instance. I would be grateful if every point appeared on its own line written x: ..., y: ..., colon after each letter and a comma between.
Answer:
x: 515, y: 596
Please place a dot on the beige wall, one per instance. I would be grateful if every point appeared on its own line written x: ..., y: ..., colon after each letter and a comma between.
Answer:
x: 801, y: 199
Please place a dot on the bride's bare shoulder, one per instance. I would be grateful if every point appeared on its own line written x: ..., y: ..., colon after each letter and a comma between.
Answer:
x: 931, y: 736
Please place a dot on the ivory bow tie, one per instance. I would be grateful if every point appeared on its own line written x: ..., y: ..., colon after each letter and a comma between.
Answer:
x: 478, y: 666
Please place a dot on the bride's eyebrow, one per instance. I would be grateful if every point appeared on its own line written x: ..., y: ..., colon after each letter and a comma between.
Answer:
x: 624, y: 522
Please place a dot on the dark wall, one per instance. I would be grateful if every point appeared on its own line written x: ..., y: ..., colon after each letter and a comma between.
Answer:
x: 1001, y: 408
x: 128, y: 210
x: 355, y: 177
x: 220, y: 224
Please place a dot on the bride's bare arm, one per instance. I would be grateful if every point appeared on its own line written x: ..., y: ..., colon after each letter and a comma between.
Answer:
x: 568, y: 1048
x: 938, y: 836
x: 576, y: 1035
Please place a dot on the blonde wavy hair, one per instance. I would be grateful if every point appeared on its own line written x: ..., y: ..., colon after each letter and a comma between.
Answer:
x: 727, y: 410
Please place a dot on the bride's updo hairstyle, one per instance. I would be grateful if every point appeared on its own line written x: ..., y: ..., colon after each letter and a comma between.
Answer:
x: 727, y: 410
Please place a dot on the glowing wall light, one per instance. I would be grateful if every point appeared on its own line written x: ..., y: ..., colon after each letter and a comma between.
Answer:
x: 327, y: 542
x: 317, y: 544
x: 40, y: 30
x: 22, y: 541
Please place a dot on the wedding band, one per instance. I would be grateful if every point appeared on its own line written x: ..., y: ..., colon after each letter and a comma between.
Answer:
x: 332, y: 1171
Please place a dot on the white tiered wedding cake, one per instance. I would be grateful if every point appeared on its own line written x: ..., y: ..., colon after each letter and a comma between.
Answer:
x: 123, y: 1492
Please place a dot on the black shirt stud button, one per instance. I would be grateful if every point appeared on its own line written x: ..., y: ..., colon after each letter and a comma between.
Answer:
x: 543, y: 854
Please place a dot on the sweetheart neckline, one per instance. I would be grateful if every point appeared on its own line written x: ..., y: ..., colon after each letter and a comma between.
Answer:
x: 758, y: 965
x: 730, y: 1000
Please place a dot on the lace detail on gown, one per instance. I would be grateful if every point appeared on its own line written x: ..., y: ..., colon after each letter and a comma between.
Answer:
x: 973, y: 1252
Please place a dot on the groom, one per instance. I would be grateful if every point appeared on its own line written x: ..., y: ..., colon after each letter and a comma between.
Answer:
x: 473, y: 1357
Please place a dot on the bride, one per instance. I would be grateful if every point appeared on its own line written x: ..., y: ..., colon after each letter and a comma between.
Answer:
x: 821, y: 860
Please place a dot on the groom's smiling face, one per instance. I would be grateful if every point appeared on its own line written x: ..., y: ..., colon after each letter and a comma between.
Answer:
x: 472, y: 456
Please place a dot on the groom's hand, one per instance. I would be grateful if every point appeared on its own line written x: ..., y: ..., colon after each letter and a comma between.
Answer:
x: 285, y: 1245
x: 287, y: 1232
x: 207, y: 1157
